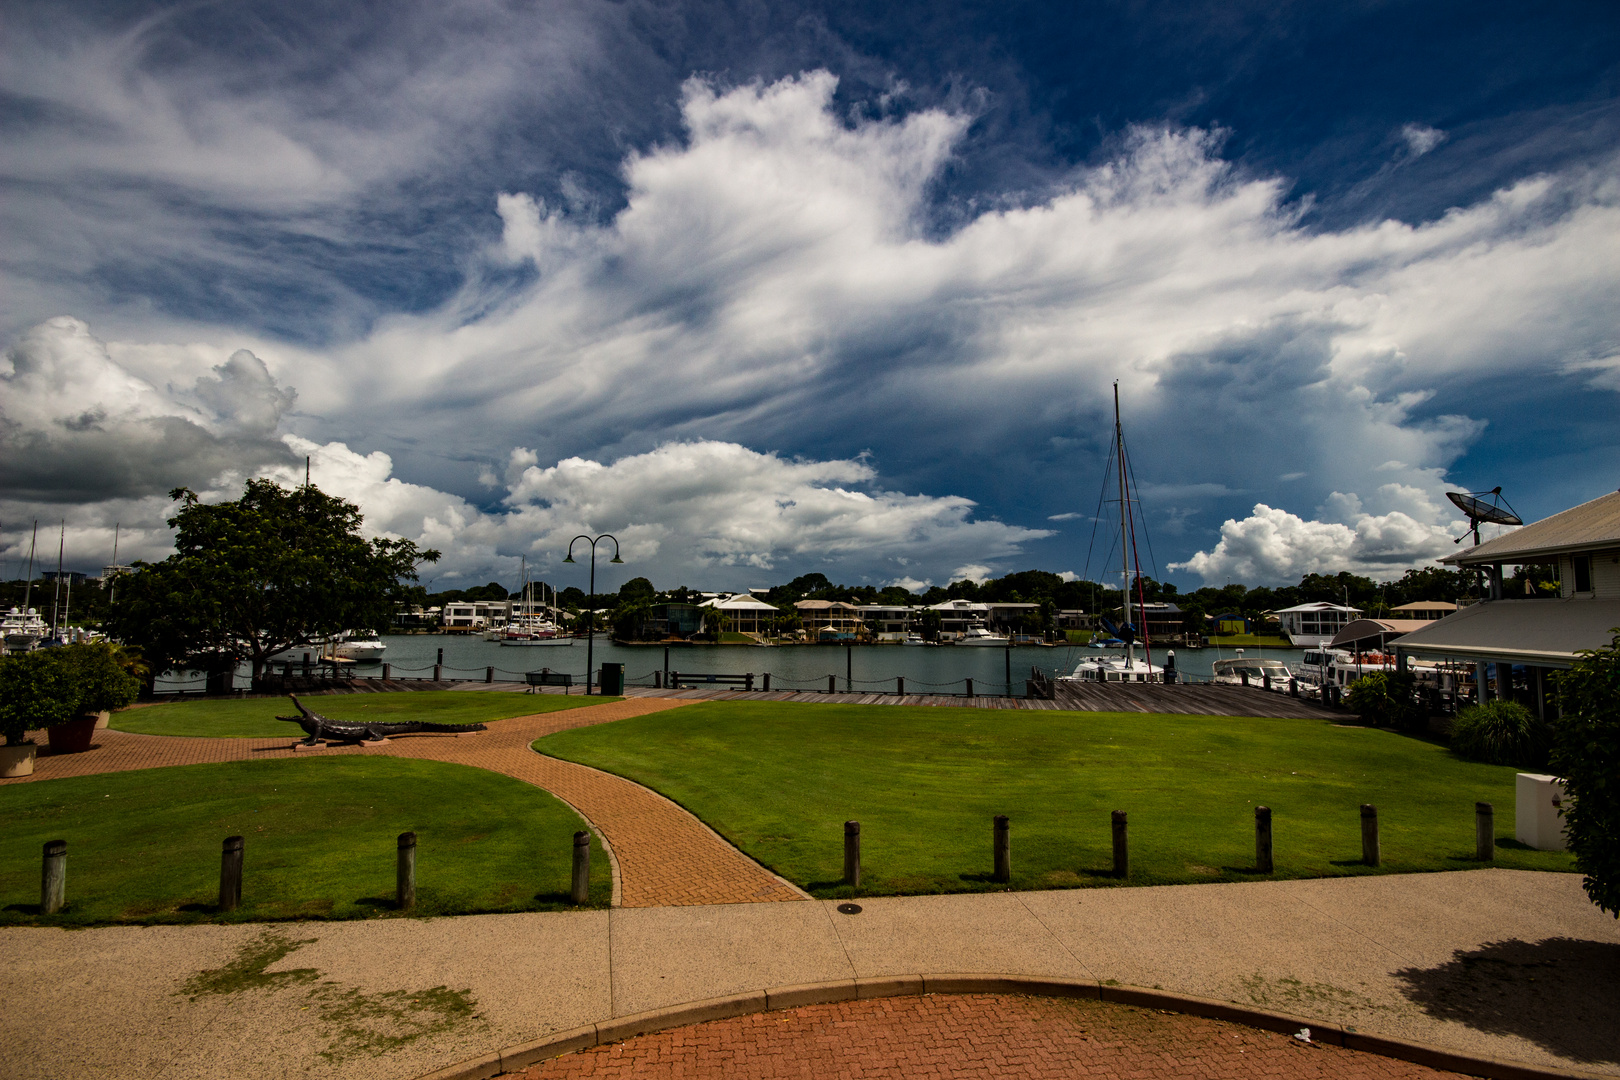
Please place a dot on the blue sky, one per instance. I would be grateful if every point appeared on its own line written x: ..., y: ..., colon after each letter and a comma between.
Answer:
x: 772, y: 288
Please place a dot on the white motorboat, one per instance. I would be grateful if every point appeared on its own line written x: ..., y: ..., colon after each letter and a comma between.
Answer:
x: 1255, y: 671
x: 914, y: 639
x: 23, y: 629
x: 361, y: 646
x: 1126, y: 668
x: 978, y: 635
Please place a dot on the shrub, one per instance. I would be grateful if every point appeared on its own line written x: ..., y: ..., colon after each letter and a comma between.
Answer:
x: 1586, y: 757
x: 1387, y: 698
x: 47, y: 687
x: 1500, y: 733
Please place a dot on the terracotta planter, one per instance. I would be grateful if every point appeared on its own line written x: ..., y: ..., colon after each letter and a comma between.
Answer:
x: 17, y: 760
x: 73, y: 737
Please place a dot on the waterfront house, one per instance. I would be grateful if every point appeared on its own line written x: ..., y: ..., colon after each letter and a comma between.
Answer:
x: 747, y: 615
x: 1514, y: 643
x: 887, y: 622
x: 1314, y: 625
x: 829, y: 620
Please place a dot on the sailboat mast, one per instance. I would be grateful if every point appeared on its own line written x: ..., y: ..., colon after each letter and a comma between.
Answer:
x: 1124, y: 540
x: 28, y: 590
x: 56, y: 592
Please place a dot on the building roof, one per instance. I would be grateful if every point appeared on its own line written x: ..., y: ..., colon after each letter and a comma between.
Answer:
x: 824, y: 605
x: 1382, y: 629
x: 1427, y: 605
x: 959, y: 605
x: 739, y: 603
x: 1542, y: 632
x: 1320, y: 605
x: 1591, y: 526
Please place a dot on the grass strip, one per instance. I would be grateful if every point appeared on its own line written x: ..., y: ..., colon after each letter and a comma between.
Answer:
x: 255, y: 718
x: 321, y: 842
x: 778, y: 779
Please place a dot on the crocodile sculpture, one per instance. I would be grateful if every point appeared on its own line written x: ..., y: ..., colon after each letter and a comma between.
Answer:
x: 319, y: 727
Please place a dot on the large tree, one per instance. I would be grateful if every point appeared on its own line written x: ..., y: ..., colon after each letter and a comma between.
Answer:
x: 274, y: 570
x: 1586, y: 757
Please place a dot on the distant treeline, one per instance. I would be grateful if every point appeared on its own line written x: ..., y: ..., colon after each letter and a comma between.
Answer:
x: 1052, y: 591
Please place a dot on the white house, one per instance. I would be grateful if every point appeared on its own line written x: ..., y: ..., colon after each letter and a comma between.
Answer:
x: 1314, y: 625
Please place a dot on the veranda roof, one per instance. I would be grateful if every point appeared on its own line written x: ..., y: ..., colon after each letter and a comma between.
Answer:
x: 1545, y: 633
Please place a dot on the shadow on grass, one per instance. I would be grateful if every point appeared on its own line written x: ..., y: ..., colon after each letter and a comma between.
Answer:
x: 1562, y: 994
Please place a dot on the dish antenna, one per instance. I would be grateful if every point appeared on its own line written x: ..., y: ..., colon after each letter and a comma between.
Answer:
x: 1495, y: 512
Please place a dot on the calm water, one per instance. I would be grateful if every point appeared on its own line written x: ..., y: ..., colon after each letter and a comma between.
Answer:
x: 872, y: 667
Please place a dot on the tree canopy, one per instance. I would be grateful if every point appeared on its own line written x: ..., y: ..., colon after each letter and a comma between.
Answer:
x: 273, y: 570
x: 1586, y: 757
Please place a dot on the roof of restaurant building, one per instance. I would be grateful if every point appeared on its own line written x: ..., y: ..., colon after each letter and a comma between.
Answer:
x: 1544, y: 632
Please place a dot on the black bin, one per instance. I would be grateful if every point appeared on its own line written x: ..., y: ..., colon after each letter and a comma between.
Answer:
x: 612, y: 680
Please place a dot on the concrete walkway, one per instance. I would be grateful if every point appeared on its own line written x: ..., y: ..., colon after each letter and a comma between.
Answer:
x: 1502, y: 963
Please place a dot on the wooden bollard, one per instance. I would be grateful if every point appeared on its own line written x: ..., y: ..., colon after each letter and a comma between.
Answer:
x: 900, y: 685
x: 388, y: 672
x: 1122, y: 846
x: 969, y: 687
x: 1002, y: 846
x: 1244, y: 675
x: 1369, y: 834
x: 230, y: 874
x: 1262, y: 839
x: 766, y: 682
x: 1265, y: 681
x: 53, y: 877
x: 489, y: 674
x: 581, y: 891
x: 1293, y: 688
x: 832, y: 684
x: 438, y: 672
x: 1484, y: 832
x: 405, y: 888
x: 852, y: 854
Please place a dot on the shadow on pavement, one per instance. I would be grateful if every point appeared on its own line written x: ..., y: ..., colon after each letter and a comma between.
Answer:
x: 1561, y: 994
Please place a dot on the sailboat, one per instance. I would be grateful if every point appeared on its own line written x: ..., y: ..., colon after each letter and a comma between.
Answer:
x: 528, y: 627
x: 1124, y: 667
x: 23, y: 627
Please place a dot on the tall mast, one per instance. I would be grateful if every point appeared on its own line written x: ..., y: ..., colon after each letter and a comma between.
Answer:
x: 56, y: 591
x: 1124, y: 540
x: 112, y: 586
x: 28, y: 590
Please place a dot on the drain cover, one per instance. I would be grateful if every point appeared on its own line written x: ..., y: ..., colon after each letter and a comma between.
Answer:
x: 850, y: 909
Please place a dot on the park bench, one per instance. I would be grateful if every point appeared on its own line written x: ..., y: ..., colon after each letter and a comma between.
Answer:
x: 547, y: 677
x: 691, y: 681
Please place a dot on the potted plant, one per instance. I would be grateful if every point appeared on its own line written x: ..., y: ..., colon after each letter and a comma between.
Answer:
x: 97, y: 683
x: 34, y: 693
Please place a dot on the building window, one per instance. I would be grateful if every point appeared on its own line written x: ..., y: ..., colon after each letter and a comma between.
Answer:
x: 1583, y: 573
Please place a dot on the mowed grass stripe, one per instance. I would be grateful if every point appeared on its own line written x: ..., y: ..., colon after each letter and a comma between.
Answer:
x: 321, y: 841
x: 779, y: 779
x: 255, y: 718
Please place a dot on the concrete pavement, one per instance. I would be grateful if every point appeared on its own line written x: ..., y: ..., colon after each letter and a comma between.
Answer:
x: 1500, y: 963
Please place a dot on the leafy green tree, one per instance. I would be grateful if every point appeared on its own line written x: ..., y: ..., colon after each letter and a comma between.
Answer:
x: 35, y: 692
x: 1586, y: 757
x: 1387, y: 698
x: 271, y: 571
x: 637, y: 589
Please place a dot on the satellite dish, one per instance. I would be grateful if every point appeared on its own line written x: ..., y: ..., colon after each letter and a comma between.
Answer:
x: 1478, y: 510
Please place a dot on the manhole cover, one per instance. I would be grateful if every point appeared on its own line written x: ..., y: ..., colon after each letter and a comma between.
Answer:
x: 850, y: 909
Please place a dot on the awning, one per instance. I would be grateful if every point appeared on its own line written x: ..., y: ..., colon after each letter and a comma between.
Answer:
x: 1379, y: 630
x: 1544, y: 633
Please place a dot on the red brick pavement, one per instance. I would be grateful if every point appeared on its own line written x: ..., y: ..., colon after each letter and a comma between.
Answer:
x: 665, y: 855
x: 939, y: 1037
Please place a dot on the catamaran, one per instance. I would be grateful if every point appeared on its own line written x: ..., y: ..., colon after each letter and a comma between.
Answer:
x: 1126, y: 667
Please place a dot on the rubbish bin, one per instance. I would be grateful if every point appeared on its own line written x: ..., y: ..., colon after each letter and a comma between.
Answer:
x: 612, y: 680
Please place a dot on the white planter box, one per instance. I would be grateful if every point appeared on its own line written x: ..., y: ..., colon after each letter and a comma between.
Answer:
x: 17, y: 760
x: 1536, y: 819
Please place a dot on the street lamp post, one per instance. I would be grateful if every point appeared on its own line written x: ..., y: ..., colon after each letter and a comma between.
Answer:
x: 590, y: 640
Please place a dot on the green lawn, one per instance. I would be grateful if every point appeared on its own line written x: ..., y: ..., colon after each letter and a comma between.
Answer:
x: 255, y: 718
x: 1249, y: 641
x: 779, y: 779
x: 321, y: 841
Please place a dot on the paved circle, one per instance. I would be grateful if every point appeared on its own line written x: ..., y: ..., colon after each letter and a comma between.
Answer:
x: 943, y: 1036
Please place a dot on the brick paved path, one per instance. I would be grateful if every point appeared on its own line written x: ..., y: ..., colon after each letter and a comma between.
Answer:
x: 665, y: 855
x: 976, y: 1035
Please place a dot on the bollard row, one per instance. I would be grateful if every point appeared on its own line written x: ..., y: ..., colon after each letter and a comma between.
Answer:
x: 53, y: 872
x: 1264, y: 862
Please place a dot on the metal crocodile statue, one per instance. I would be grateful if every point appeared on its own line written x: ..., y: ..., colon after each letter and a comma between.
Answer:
x: 319, y: 727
